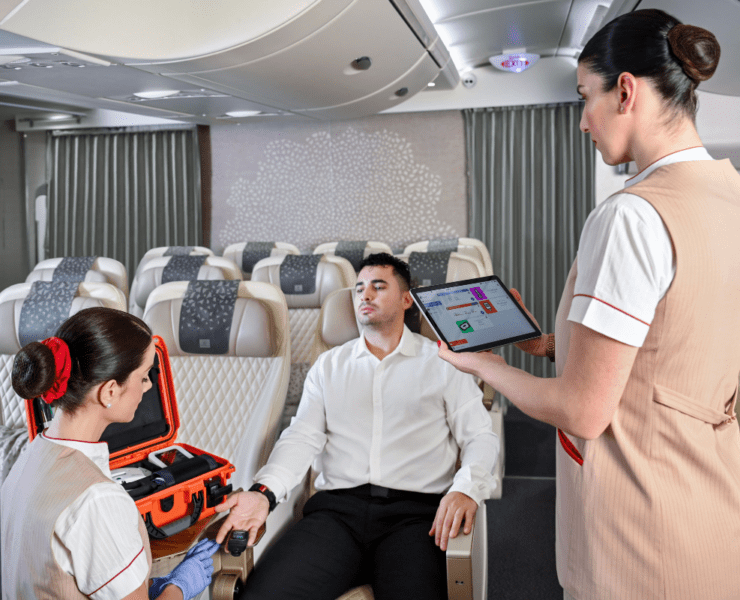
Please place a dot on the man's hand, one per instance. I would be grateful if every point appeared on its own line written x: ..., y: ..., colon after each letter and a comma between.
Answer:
x: 454, y: 509
x: 249, y: 512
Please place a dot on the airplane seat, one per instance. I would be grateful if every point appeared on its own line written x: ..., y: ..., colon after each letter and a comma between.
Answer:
x: 230, y: 381
x: 354, y: 252
x: 467, y: 246
x: 82, y: 268
x: 248, y: 254
x: 32, y: 312
x: 178, y: 268
x: 467, y: 555
x: 306, y: 281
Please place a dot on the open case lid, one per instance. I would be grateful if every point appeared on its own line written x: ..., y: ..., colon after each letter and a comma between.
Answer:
x: 155, y: 423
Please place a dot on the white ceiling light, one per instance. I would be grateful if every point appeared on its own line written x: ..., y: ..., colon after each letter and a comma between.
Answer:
x: 244, y: 113
x: 514, y: 62
x: 156, y: 94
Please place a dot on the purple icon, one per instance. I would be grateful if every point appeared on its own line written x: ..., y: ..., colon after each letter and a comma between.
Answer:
x: 478, y: 293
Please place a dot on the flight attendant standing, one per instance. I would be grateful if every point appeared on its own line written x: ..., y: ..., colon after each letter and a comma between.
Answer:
x: 646, y: 337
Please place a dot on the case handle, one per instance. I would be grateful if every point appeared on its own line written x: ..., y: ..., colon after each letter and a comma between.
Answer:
x: 165, y: 531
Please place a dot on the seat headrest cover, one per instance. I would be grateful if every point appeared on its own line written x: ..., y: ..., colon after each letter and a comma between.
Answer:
x: 178, y: 251
x: 428, y: 268
x: 298, y: 273
x: 206, y: 315
x: 183, y: 268
x: 354, y: 252
x: 443, y: 244
x: 73, y: 268
x: 254, y: 252
x: 46, y: 307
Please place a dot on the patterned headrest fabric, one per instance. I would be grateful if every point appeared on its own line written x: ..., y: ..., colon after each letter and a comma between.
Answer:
x: 298, y: 274
x: 206, y: 315
x: 178, y: 251
x: 182, y: 268
x: 46, y: 307
x: 73, y: 268
x: 354, y: 252
x: 428, y: 268
x: 443, y: 244
x: 253, y: 253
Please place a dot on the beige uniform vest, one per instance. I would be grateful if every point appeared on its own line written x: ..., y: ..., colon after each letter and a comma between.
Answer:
x: 46, y: 479
x: 653, y: 511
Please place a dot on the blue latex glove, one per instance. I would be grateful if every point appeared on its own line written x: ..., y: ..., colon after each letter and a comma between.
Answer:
x: 192, y: 575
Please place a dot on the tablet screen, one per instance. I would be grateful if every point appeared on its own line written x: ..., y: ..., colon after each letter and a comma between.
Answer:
x: 474, y: 315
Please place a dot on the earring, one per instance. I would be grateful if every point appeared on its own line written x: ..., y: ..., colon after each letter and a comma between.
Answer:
x: 621, y: 109
x: 108, y: 405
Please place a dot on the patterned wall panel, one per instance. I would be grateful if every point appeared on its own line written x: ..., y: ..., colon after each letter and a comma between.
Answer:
x: 391, y: 178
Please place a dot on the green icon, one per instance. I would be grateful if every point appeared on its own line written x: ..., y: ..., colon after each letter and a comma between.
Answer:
x: 464, y: 326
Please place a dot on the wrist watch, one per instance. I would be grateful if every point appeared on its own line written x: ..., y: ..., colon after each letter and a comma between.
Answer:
x: 266, y: 492
x: 550, y: 347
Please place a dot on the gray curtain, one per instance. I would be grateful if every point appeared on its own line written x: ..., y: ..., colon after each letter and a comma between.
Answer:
x: 120, y: 193
x: 530, y: 189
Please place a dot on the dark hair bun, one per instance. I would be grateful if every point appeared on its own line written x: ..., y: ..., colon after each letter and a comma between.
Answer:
x: 33, y: 370
x: 696, y: 49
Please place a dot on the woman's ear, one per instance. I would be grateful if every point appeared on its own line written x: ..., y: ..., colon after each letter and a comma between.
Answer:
x: 107, y: 393
x: 627, y: 87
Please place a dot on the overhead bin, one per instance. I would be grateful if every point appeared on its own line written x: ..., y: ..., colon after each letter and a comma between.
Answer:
x: 323, y: 58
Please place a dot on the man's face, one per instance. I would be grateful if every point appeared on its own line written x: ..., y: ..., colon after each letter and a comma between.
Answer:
x: 379, y: 299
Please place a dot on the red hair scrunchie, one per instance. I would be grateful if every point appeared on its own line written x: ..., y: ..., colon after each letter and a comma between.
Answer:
x: 62, y: 368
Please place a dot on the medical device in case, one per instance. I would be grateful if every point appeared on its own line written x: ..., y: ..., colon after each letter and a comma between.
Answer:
x: 172, y: 497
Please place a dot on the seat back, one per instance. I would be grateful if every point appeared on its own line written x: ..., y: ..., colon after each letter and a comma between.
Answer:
x: 248, y: 254
x: 160, y: 251
x: 39, y: 308
x: 305, y: 292
x: 178, y: 268
x: 98, y: 269
x: 230, y: 398
x: 467, y: 246
x: 354, y: 252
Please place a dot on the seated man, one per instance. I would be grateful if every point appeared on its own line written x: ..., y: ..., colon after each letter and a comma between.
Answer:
x: 384, y: 417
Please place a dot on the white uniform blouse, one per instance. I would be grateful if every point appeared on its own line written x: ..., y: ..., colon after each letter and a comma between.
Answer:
x: 625, y: 262
x: 96, y: 538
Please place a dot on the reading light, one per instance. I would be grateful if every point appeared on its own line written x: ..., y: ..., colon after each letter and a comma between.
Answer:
x: 516, y: 63
x: 156, y: 94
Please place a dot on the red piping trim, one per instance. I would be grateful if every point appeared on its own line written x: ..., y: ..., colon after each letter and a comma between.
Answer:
x: 117, y: 574
x: 48, y: 437
x: 614, y: 307
x: 661, y: 158
x: 570, y: 448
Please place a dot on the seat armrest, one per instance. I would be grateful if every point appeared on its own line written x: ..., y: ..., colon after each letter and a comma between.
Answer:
x: 467, y: 561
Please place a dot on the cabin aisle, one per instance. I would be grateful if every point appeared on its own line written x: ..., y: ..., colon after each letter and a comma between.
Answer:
x: 521, y: 525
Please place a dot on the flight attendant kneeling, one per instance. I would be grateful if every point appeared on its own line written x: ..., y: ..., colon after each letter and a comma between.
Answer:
x: 68, y: 530
x: 646, y: 337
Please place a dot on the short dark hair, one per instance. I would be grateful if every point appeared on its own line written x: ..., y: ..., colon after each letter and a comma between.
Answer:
x: 104, y: 344
x: 652, y: 44
x: 383, y: 259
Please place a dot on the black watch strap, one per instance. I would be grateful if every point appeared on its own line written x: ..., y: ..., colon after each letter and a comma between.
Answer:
x: 267, y: 492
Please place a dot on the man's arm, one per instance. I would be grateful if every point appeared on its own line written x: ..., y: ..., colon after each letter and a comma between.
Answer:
x: 470, y: 425
x: 289, y: 461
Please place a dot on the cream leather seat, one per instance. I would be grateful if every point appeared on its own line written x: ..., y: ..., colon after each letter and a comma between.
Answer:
x: 331, y: 273
x: 100, y: 270
x: 13, y: 299
x: 354, y: 252
x: 155, y: 272
x: 230, y: 402
x: 467, y: 555
x: 247, y: 254
x: 160, y: 251
x: 467, y: 246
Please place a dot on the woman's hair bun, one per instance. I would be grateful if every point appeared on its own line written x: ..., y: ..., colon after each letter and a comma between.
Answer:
x: 696, y: 49
x: 34, y: 370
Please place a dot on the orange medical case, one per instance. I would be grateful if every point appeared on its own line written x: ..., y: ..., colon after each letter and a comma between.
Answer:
x: 171, y: 509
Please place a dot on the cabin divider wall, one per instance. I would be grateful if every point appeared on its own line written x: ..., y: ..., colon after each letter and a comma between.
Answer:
x: 531, y: 186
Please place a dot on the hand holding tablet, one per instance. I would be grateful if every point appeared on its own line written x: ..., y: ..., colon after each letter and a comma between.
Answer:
x: 474, y: 315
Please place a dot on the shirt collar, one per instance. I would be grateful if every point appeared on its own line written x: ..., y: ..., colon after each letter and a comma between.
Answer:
x: 96, y: 451
x: 698, y: 153
x: 407, y: 345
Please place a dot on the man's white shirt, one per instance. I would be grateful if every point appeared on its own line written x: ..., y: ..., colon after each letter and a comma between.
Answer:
x: 396, y: 423
x: 625, y: 261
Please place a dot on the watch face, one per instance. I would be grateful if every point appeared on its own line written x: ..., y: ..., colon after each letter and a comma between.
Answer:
x: 239, y: 535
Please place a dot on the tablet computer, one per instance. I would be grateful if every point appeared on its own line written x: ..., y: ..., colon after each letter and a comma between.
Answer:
x: 475, y: 314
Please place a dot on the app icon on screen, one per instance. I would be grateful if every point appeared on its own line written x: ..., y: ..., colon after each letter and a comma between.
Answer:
x: 465, y: 326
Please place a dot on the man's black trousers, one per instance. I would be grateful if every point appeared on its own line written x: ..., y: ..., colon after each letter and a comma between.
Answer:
x: 351, y: 537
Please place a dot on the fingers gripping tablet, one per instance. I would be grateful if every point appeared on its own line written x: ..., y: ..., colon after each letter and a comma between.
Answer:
x: 474, y: 315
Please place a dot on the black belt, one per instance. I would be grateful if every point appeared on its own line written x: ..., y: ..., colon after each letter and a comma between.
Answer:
x: 370, y: 490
